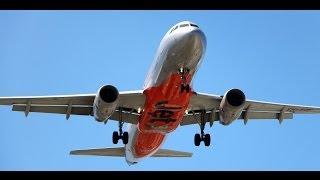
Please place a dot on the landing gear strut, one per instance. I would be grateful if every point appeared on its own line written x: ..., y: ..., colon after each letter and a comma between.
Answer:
x: 202, y: 137
x: 184, y: 86
x: 120, y: 135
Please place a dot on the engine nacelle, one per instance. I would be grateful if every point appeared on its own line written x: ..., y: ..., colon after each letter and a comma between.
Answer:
x: 231, y: 106
x: 105, y: 102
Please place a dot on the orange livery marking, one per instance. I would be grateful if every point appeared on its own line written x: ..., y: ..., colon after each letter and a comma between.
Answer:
x: 164, y: 109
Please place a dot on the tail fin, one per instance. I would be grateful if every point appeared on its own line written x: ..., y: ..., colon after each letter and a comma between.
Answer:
x: 120, y: 152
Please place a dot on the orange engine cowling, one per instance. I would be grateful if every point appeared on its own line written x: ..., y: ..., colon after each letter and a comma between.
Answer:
x: 105, y: 102
x: 231, y: 106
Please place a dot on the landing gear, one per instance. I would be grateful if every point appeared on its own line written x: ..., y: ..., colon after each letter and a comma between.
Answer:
x: 207, y: 139
x: 197, y: 139
x: 120, y: 135
x: 184, y: 86
x: 202, y: 137
x: 125, y: 138
x: 116, y: 136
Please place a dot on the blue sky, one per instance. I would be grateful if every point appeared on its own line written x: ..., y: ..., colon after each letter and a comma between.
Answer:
x: 270, y: 55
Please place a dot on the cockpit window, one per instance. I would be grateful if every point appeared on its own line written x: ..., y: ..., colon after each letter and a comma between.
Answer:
x: 174, y: 29
x: 184, y: 25
x: 194, y: 25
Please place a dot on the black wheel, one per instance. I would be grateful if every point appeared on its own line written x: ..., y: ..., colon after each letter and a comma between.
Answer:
x: 125, y: 137
x: 115, y: 137
x: 197, y: 139
x: 207, y: 140
x: 181, y: 88
x: 187, y: 87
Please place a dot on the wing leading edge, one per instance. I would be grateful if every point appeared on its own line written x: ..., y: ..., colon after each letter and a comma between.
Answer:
x: 81, y: 104
x: 130, y: 101
x: 252, y: 109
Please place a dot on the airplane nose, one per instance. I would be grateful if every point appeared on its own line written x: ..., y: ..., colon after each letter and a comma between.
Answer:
x: 188, y: 47
x: 197, y: 37
x: 191, y: 39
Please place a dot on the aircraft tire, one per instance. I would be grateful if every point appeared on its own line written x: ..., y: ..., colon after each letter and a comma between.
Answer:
x: 197, y: 139
x: 115, y: 137
x: 125, y: 138
x: 207, y: 140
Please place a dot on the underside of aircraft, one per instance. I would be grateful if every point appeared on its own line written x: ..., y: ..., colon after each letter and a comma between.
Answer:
x: 166, y: 102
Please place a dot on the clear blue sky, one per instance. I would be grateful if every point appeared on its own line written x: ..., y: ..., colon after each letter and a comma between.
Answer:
x: 270, y: 55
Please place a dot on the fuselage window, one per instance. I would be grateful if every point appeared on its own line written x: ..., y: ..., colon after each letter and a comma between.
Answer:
x: 174, y: 29
x: 194, y: 25
x: 184, y: 25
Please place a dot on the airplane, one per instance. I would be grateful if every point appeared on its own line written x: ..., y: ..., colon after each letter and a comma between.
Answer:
x: 166, y: 101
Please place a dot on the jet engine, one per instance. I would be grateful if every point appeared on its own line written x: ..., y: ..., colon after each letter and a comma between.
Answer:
x: 105, y: 102
x: 231, y: 106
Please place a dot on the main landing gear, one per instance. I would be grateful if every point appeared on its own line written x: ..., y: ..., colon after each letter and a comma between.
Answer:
x: 202, y: 137
x: 184, y: 86
x: 120, y: 135
x: 116, y: 136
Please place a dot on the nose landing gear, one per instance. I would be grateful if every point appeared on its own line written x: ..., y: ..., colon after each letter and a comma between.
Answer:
x: 184, y: 86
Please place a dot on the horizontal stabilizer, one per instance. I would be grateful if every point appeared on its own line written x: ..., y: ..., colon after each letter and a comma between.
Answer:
x: 120, y: 152
x: 171, y: 153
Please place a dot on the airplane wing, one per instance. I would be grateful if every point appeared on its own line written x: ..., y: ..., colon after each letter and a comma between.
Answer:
x: 81, y: 104
x: 252, y: 110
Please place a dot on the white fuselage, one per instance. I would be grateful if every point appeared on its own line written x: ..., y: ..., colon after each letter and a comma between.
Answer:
x: 180, y: 47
